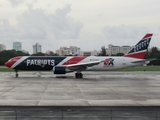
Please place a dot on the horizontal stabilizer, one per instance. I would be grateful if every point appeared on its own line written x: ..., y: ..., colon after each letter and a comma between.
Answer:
x: 145, y: 60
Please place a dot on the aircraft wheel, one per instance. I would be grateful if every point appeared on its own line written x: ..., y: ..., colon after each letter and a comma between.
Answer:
x: 78, y: 75
x: 16, y: 75
x: 81, y: 75
x: 16, y: 71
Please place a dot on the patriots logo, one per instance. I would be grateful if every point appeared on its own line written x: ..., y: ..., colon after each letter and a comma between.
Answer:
x: 141, y: 45
x: 109, y: 62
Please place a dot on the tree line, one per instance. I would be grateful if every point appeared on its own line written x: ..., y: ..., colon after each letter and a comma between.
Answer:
x: 5, y: 55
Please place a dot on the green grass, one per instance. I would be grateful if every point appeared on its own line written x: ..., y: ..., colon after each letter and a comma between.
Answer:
x: 6, y: 70
x: 142, y: 68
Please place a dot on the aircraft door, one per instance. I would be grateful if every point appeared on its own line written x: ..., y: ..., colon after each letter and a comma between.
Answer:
x: 123, y: 62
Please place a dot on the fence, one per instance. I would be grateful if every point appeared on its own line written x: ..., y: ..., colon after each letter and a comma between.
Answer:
x: 80, y: 113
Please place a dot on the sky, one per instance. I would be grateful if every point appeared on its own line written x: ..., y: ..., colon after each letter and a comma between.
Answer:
x: 87, y: 24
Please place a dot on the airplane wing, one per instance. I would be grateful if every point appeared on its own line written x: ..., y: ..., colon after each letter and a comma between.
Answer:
x: 144, y: 60
x: 82, y: 66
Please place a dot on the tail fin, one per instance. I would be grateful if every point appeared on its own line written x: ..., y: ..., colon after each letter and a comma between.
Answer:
x: 140, y: 49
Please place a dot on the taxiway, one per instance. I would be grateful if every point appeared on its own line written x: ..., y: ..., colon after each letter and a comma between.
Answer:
x: 95, y: 89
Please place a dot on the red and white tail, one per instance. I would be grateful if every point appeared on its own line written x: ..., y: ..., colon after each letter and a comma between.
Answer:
x: 140, y: 49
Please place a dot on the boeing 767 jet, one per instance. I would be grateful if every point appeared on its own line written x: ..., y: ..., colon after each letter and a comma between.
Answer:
x: 66, y: 64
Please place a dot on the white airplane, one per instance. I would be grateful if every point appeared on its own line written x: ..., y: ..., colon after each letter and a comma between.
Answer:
x: 65, y: 64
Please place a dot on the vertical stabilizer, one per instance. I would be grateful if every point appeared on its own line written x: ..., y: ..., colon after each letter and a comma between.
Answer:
x: 140, y: 49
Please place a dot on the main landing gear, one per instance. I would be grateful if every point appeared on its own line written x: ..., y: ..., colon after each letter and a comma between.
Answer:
x: 16, y: 75
x: 78, y: 75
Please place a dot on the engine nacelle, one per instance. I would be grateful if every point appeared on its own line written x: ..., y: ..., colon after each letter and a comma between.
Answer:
x: 59, y: 70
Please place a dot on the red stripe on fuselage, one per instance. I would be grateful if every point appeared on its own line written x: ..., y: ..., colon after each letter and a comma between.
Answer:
x: 139, y: 55
x: 74, y: 60
x: 12, y: 61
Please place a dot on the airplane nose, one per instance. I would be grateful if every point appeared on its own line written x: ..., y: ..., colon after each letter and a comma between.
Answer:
x: 12, y: 61
x: 8, y: 64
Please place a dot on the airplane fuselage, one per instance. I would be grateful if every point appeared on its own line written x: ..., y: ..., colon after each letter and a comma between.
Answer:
x: 65, y: 64
x: 39, y: 63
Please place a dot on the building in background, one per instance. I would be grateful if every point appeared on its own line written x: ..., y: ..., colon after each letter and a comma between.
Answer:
x: 2, y: 47
x: 125, y: 49
x: 17, y: 46
x: 64, y: 51
x: 112, y: 50
x: 89, y: 53
x: 37, y: 48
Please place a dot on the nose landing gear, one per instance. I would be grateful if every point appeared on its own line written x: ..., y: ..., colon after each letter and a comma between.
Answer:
x: 16, y: 75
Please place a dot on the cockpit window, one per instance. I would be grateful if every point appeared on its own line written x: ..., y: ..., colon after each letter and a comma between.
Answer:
x: 10, y: 60
x: 14, y: 60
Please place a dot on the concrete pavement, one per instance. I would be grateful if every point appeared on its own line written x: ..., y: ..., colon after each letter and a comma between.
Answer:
x: 95, y: 89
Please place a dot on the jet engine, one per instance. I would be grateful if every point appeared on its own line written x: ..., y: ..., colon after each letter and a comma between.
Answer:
x: 59, y: 70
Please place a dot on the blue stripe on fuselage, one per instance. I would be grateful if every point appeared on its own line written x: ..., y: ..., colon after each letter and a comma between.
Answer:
x: 39, y: 63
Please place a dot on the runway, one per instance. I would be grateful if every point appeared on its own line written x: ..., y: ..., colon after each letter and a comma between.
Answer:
x: 95, y: 89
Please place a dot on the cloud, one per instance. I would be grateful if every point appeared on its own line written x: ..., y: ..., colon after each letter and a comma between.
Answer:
x: 35, y: 24
x: 18, y: 2
x: 15, y: 2
x: 62, y: 26
x: 7, y: 31
x: 123, y: 33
